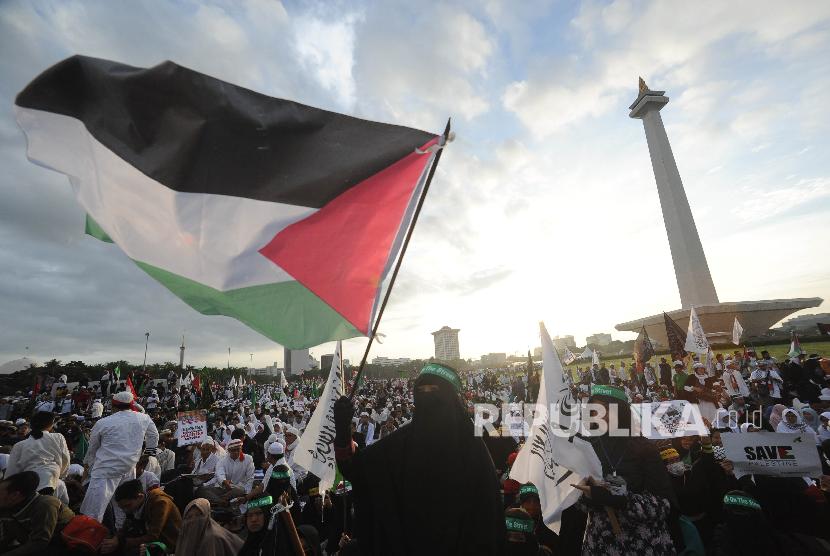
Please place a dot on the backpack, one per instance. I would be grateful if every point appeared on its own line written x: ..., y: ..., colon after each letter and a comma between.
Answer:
x: 84, y: 532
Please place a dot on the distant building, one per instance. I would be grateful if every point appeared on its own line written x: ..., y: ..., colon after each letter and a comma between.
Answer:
x: 325, y: 362
x: 390, y: 361
x: 297, y: 361
x: 806, y: 323
x: 446, y: 344
x: 271, y: 370
x: 494, y: 359
x: 598, y: 339
x: 562, y: 342
x: 537, y: 352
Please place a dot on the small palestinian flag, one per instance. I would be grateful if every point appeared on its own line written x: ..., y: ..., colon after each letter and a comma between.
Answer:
x: 280, y: 215
x: 795, y: 347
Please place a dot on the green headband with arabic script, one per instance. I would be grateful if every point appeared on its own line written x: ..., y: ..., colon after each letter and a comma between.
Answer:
x: 609, y: 392
x: 742, y: 501
x: 442, y: 371
x: 260, y: 503
x: 519, y: 525
x: 529, y: 488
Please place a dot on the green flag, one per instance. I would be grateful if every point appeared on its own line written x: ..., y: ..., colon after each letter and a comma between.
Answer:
x: 117, y: 372
x: 81, y: 446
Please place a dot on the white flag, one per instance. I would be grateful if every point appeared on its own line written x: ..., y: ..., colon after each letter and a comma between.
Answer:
x: 232, y: 383
x: 595, y: 358
x: 570, y: 357
x: 587, y: 354
x: 574, y: 457
x: 283, y: 382
x: 737, y: 332
x: 696, y: 341
x: 315, y: 452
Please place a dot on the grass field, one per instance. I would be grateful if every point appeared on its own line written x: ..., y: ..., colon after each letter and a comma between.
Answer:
x: 779, y: 351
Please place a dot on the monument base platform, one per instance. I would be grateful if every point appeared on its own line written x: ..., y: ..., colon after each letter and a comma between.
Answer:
x: 756, y: 317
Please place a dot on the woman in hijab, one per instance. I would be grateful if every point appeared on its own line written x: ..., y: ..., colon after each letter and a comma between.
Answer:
x: 776, y: 415
x: 810, y: 418
x: 636, y: 486
x: 202, y: 536
x: 791, y: 422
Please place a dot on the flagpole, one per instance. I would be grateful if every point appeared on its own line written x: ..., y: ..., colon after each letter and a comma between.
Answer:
x: 400, y: 260
x: 146, y: 343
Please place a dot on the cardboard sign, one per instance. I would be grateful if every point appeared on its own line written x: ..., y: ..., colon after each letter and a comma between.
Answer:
x: 192, y: 427
x: 772, y: 453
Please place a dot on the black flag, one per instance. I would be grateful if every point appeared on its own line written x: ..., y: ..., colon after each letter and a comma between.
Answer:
x: 677, y: 338
x: 643, y: 350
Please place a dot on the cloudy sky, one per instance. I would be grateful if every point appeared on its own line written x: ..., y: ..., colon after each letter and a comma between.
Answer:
x: 545, y: 206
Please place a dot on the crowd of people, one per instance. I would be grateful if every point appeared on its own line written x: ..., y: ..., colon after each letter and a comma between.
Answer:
x: 100, y: 468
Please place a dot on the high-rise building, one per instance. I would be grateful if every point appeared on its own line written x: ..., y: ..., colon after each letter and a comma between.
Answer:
x: 446, y: 343
x: 297, y: 361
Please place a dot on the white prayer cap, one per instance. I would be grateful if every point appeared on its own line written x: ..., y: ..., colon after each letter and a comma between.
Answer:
x: 123, y: 397
x: 208, y: 442
x: 292, y: 430
x: 678, y: 363
x: 276, y: 449
x: 20, y: 421
x: 699, y: 365
x: 234, y: 443
x: 364, y: 414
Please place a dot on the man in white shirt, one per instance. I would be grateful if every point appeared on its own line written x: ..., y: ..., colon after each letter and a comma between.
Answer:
x: 733, y: 381
x: 234, y: 476
x: 767, y: 380
x: 43, y: 452
x: 275, y: 456
x: 153, y: 400
x: 115, y: 445
x: 165, y: 457
x: 97, y: 409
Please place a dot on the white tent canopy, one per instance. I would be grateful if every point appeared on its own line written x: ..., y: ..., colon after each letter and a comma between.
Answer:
x: 17, y: 365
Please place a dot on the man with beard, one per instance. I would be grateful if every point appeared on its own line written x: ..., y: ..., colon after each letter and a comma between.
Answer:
x: 402, y: 481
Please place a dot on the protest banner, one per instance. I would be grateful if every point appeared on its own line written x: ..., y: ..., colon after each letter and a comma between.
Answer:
x: 667, y: 419
x: 772, y: 453
x: 192, y: 427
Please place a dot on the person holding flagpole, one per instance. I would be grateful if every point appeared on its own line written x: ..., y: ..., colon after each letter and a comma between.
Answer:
x: 401, y: 482
x: 631, y: 510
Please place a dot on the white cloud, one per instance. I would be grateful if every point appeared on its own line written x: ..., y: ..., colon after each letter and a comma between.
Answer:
x: 675, y: 41
x: 326, y: 49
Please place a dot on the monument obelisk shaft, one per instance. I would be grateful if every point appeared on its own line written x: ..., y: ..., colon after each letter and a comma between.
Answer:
x: 691, y: 270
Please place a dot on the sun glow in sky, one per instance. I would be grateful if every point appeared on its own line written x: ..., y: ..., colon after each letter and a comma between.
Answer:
x: 544, y: 208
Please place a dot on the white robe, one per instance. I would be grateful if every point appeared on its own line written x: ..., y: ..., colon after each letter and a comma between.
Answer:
x: 47, y: 456
x: 239, y: 473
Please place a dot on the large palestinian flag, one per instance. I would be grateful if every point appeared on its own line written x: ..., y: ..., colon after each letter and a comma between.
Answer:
x: 283, y: 216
